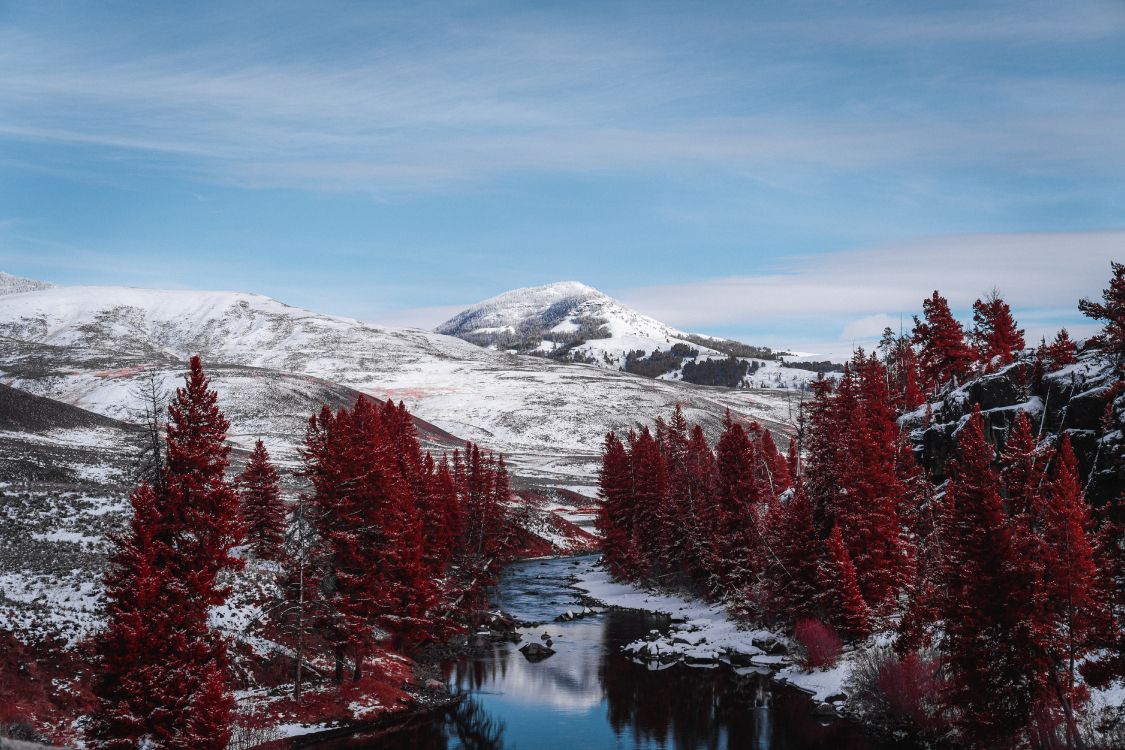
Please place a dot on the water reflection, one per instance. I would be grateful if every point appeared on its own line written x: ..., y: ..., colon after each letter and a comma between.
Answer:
x: 590, y: 695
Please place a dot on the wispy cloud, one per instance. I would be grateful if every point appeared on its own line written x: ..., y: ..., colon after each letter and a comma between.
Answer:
x: 1041, y: 275
x: 493, y: 96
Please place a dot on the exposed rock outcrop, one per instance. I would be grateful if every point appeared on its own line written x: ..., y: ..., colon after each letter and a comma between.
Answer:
x: 1082, y: 400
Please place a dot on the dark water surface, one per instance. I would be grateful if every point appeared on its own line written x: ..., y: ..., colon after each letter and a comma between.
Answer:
x: 589, y: 695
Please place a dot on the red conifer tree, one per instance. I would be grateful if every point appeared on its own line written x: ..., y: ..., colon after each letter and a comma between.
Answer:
x: 1111, y: 310
x: 1076, y: 611
x: 994, y: 334
x: 650, y: 491
x: 615, y: 514
x: 738, y: 514
x: 943, y: 356
x: 1058, y: 354
x: 847, y: 611
x: 261, y: 506
x: 791, y: 560
x: 161, y: 670
x: 981, y: 600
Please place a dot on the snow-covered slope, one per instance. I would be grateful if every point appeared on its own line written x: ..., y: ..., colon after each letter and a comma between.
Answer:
x: 562, y: 307
x: 10, y: 284
x: 572, y: 322
x: 88, y: 346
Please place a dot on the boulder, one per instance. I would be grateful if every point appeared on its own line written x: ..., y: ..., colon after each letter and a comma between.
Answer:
x: 1084, y: 411
x: 994, y: 391
x: 534, y: 652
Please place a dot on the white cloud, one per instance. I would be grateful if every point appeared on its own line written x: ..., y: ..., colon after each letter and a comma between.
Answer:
x: 870, y: 327
x: 1041, y: 275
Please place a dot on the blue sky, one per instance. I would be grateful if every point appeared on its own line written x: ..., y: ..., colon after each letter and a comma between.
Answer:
x: 792, y: 174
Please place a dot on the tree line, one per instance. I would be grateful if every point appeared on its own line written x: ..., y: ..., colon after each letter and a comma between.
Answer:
x: 390, y: 547
x: 1002, y: 590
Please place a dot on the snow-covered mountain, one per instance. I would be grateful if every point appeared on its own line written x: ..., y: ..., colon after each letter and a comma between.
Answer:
x: 560, y: 308
x: 90, y: 346
x: 570, y: 321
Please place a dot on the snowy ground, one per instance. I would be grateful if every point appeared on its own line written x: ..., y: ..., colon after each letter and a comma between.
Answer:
x: 703, y: 633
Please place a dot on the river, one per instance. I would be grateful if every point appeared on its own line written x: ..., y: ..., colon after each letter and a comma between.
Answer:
x: 590, y: 695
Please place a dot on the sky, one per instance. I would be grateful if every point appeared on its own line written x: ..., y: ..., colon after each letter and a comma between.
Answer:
x: 793, y: 174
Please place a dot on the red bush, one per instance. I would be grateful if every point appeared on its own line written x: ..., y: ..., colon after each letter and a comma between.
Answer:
x: 819, y: 643
x: 909, y: 687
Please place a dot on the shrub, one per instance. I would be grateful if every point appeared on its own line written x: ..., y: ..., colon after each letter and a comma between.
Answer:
x: 909, y: 686
x: 903, y: 692
x: 820, y: 646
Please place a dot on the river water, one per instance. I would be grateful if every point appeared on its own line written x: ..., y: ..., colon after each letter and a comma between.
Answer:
x: 590, y: 695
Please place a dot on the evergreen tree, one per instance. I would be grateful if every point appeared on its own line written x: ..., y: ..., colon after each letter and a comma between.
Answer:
x: 1058, y: 354
x: 1110, y: 311
x: 984, y: 613
x: 847, y: 611
x: 738, y: 514
x: 261, y: 506
x: 616, y: 513
x: 1076, y: 611
x: 162, y: 671
x: 700, y: 522
x: 943, y: 355
x: 650, y: 491
x: 791, y: 560
x: 1022, y: 467
x: 994, y: 334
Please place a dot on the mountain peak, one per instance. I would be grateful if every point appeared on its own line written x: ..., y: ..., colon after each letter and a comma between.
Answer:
x: 561, y: 307
x: 10, y: 284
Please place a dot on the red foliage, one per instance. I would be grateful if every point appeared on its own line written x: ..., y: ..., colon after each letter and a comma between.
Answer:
x: 911, y: 690
x: 1111, y: 311
x: 1075, y: 610
x: 738, y: 512
x: 846, y: 608
x: 983, y: 601
x: 792, y: 563
x: 853, y: 466
x: 994, y: 334
x: 820, y: 646
x: 1058, y: 354
x: 161, y: 669
x: 261, y: 506
x: 943, y: 355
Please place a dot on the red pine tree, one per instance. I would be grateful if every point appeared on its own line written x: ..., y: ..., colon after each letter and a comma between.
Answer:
x: 847, y: 611
x: 1111, y: 310
x: 615, y: 514
x: 994, y: 334
x: 943, y: 356
x: 738, y: 514
x: 791, y: 560
x: 982, y: 604
x: 161, y: 670
x: 1058, y: 354
x: 261, y: 506
x: 1076, y: 611
x: 650, y: 492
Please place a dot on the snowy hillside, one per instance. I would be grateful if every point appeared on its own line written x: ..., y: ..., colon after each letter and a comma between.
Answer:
x: 10, y: 284
x: 572, y: 322
x: 89, y: 346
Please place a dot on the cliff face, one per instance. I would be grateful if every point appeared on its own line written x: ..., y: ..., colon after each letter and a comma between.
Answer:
x: 1084, y: 400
